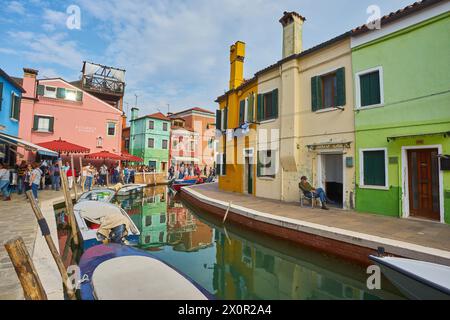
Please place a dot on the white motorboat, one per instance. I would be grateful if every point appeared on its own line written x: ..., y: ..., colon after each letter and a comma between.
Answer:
x: 418, y: 280
x: 103, y: 195
x: 87, y: 216
x: 125, y: 190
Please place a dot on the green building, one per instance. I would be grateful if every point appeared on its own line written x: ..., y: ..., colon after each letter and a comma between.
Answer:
x: 149, y: 139
x: 402, y: 113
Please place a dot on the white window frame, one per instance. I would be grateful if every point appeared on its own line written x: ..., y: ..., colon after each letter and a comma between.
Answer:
x: 14, y: 107
x: 107, y: 128
x: 47, y: 130
x: 74, y: 92
x: 46, y: 92
x: 361, y: 169
x: 358, y: 88
x: 246, y: 110
x: 222, y: 119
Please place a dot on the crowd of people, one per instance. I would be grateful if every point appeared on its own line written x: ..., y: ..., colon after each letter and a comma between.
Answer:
x: 46, y: 175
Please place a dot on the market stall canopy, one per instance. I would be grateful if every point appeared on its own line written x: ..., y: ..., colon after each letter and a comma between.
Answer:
x: 105, y: 155
x: 129, y: 157
x: 11, y: 140
x: 62, y: 146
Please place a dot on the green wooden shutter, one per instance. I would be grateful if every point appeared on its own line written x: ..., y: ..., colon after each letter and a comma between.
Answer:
x: 258, y: 166
x: 340, y: 88
x: 250, y: 112
x: 316, y: 93
x: 61, y: 93
x: 51, y: 125
x: 260, y: 107
x: 370, y: 89
x: 374, y: 168
x: 219, y: 120
x: 224, y: 164
x: 1, y: 95
x: 40, y: 90
x: 274, y: 104
x: 17, y: 102
x: 225, y: 114
x: 11, y: 109
x: 79, y: 95
x: 35, y: 123
x: 241, y: 112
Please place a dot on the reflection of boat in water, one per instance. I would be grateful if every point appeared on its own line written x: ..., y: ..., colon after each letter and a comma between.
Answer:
x: 88, y: 215
x: 117, y: 272
x: 128, y: 189
x: 418, y: 280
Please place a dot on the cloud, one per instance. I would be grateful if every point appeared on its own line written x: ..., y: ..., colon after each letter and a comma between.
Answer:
x: 15, y: 7
x: 53, y: 19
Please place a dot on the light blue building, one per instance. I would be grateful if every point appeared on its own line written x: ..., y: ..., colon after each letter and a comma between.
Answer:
x: 10, y: 101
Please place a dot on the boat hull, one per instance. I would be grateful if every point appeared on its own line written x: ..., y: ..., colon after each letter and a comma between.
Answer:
x: 95, y: 256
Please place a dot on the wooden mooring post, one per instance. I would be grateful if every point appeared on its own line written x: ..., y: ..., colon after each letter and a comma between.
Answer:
x: 26, y: 272
x: 81, y: 176
x: 51, y: 245
x: 69, y: 207
x: 75, y: 187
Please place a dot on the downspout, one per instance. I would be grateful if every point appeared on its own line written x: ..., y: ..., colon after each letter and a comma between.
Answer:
x: 280, y: 96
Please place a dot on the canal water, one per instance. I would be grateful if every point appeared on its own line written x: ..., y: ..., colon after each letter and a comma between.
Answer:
x: 234, y: 263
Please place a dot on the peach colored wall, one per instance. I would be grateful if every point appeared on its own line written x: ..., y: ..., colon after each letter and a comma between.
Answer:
x: 77, y: 122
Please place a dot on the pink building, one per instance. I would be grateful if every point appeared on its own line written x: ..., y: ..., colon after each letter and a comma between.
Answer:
x: 53, y: 108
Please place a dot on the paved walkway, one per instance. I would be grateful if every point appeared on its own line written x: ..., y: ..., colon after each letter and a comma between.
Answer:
x: 17, y: 219
x: 417, y: 232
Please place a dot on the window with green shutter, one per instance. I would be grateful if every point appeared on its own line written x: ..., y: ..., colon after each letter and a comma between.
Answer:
x: 250, y: 108
x: 43, y: 124
x: 79, y: 95
x: 328, y: 90
x: 15, y: 107
x: 219, y: 120
x: 316, y: 93
x: 40, y: 90
x: 374, y: 168
x: 370, y: 89
x: 268, y: 106
x: 61, y: 93
x: 241, y: 112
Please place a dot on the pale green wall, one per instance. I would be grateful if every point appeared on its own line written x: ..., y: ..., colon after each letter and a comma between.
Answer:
x: 139, y: 135
x: 416, y: 78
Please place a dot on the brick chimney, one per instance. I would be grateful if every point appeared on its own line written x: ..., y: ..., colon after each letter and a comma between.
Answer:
x: 29, y: 82
x: 237, y: 56
x: 292, y: 24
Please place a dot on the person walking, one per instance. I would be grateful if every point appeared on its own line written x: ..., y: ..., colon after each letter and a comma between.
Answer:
x: 103, y: 175
x: 21, y: 171
x: 89, y: 177
x: 27, y: 179
x: 55, y: 174
x: 71, y: 174
x: 5, y: 175
x: 35, y: 180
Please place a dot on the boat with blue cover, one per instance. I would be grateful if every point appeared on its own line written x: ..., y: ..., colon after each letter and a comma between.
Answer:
x: 118, y: 272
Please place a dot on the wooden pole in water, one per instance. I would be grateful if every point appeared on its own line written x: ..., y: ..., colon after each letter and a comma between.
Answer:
x: 226, y: 213
x: 75, y: 187
x: 69, y: 207
x: 51, y: 245
x: 26, y: 272
x: 81, y: 175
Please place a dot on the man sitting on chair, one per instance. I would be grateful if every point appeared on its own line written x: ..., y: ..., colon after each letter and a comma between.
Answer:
x: 305, y: 186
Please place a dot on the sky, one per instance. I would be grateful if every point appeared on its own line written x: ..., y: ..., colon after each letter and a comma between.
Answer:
x: 175, y: 52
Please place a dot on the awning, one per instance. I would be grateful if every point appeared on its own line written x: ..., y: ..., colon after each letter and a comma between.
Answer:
x: 62, y: 146
x: 27, y: 145
x: 104, y: 155
x: 418, y: 135
x: 186, y: 159
x: 129, y: 157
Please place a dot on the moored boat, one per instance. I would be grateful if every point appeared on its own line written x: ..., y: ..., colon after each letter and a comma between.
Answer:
x: 128, y: 189
x: 89, y: 213
x: 418, y: 280
x: 180, y: 183
x: 117, y: 272
x: 103, y: 195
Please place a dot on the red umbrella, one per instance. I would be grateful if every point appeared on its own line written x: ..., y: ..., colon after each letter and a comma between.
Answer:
x: 62, y: 146
x: 129, y: 157
x: 105, y: 155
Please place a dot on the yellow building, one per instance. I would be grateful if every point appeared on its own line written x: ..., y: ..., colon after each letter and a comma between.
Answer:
x: 237, y: 108
x: 304, y: 122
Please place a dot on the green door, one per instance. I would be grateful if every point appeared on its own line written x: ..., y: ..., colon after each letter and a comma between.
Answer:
x: 250, y: 178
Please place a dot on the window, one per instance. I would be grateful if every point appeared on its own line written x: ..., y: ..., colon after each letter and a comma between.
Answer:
x: 373, y: 172
x: 50, y: 92
x: 192, y: 146
x: 165, y: 126
x: 71, y: 95
x: 162, y: 218
x: 161, y: 237
x: 15, y: 107
x: 151, y: 143
x: 266, y: 164
x: 127, y: 144
x: 268, y: 106
x: 246, y: 110
x: 164, y: 144
x: 151, y: 125
x: 111, y: 129
x: 148, y: 220
x: 328, y: 90
x: 369, y: 88
x: 43, y: 124
x: 221, y: 164
x: 222, y: 119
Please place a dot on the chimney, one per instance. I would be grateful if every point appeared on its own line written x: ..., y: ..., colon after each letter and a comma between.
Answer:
x: 134, y: 113
x: 292, y: 33
x: 29, y: 82
x: 237, y: 56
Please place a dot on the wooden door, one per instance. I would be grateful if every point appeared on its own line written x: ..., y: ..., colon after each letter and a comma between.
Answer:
x: 423, y: 179
x: 250, y: 177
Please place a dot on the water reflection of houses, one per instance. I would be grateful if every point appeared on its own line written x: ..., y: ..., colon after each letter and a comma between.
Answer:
x: 148, y: 210
x: 185, y: 232
x: 244, y: 271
